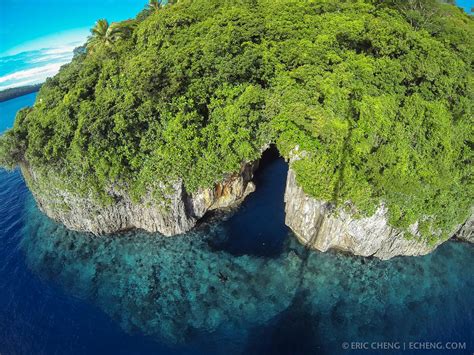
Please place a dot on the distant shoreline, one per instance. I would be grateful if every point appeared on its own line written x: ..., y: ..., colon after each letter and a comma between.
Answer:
x: 13, y: 93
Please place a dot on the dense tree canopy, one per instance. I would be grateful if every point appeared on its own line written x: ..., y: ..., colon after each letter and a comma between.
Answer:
x: 378, y: 95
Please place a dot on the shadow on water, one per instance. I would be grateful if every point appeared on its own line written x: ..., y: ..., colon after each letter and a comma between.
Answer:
x: 292, y: 332
x: 299, y: 302
x: 277, y: 297
x: 258, y: 227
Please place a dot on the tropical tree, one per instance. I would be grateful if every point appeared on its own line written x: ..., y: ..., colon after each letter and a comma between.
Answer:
x: 99, y: 33
x: 103, y: 33
x: 123, y: 29
x: 155, y: 5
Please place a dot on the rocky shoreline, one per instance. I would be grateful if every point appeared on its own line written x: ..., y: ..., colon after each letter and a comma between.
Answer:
x: 315, y: 223
x: 318, y: 225
x: 466, y: 231
x: 177, y: 213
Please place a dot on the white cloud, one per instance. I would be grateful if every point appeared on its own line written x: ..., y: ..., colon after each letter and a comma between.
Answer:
x: 60, y: 50
x: 29, y: 81
x: 50, y: 58
x: 60, y: 39
x: 29, y: 76
x: 33, y: 62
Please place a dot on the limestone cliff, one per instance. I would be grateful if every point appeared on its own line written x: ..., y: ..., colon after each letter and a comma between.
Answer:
x: 177, y: 213
x: 317, y: 225
x: 466, y: 232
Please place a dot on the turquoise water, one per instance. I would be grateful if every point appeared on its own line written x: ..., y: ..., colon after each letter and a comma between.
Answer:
x: 9, y: 108
x: 240, y: 283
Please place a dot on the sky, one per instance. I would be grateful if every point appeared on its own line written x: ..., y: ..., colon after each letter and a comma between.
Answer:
x: 466, y: 4
x: 36, y: 38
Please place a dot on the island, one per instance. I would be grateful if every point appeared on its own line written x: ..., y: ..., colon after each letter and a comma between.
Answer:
x: 164, y: 117
x: 12, y: 93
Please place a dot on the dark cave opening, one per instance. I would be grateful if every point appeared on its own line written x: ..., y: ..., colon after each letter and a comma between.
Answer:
x: 257, y: 226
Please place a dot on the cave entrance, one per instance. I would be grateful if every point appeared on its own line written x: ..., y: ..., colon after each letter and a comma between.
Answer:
x: 258, y: 226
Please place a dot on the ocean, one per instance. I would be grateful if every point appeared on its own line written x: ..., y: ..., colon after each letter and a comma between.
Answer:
x: 239, y: 283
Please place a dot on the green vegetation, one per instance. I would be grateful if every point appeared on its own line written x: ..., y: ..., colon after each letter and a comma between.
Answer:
x: 378, y: 95
x: 104, y: 34
x: 383, y: 111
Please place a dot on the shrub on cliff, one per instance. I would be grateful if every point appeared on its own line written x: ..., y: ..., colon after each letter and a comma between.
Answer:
x: 9, y: 156
x: 13, y: 142
x: 378, y: 94
x: 383, y: 110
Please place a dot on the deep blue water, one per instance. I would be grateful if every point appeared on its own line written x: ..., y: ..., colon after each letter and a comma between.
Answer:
x: 63, y: 292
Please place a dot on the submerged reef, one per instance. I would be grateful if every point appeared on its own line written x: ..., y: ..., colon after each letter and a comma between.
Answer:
x: 185, y: 292
x: 169, y: 288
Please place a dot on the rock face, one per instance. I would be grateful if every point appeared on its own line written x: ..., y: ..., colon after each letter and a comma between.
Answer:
x: 466, y: 232
x: 178, y: 212
x: 318, y: 226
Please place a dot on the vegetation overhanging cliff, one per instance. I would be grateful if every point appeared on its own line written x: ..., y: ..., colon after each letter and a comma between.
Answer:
x: 378, y: 94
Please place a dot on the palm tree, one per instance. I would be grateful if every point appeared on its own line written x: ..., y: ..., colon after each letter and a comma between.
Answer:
x: 154, y: 5
x: 100, y: 34
x: 106, y: 34
x: 122, y: 30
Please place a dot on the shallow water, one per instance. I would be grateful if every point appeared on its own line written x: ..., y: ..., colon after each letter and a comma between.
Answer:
x: 238, y: 284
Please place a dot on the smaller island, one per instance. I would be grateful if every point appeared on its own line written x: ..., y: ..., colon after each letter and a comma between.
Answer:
x: 12, y: 93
